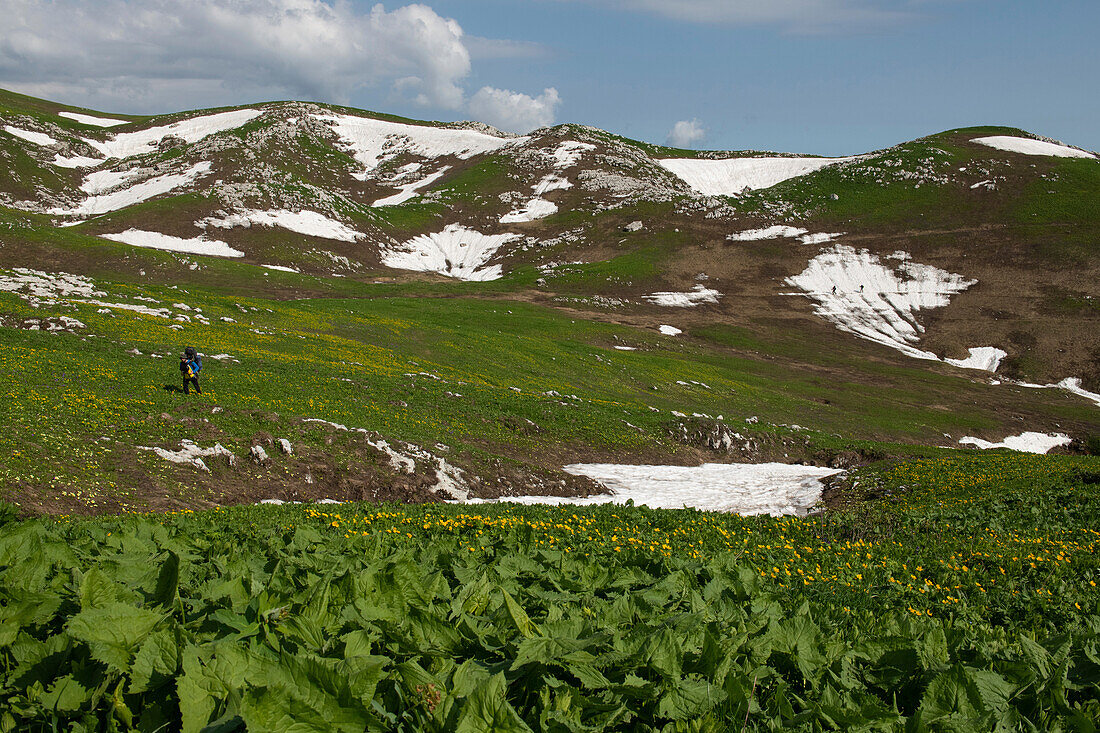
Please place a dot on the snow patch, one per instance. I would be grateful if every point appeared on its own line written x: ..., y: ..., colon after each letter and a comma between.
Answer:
x: 569, y: 153
x: 309, y: 223
x: 156, y: 240
x: 374, y: 141
x: 859, y: 294
x: 1025, y: 442
x: 698, y: 295
x: 76, y: 161
x: 135, y: 194
x: 129, y: 144
x: 536, y: 208
x: 732, y: 176
x: 190, y: 453
x: 456, y: 252
x: 1069, y: 384
x: 93, y: 121
x: 670, y: 330
x: 1028, y: 146
x: 280, y: 268
x: 987, y: 358
x: 409, y: 190
x: 38, y: 138
x: 767, y: 488
x: 773, y: 232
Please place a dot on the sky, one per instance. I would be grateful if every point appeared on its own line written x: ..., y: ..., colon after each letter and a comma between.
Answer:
x: 825, y: 77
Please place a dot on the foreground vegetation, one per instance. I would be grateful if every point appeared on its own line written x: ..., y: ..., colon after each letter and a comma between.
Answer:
x: 951, y: 594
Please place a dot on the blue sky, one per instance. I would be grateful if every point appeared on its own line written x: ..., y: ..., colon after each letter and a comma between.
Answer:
x: 816, y: 76
x: 833, y: 89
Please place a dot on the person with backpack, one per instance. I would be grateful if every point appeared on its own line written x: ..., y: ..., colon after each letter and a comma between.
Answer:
x: 190, y: 366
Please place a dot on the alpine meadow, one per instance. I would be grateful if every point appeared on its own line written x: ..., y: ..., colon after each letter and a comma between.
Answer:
x: 556, y: 432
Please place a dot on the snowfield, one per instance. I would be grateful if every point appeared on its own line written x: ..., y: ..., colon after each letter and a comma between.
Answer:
x: 135, y: 194
x: 697, y: 296
x: 410, y: 190
x: 129, y: 144
x: 156, y: 240
x: 986, y: 358
x: 309, y: 223
x: 856, y: 291
x: 741, y: 488
x: 37, y: 138
x: 92, y: 121
x: 456, y: 252
x: 1028, y: 146
x: 1026, y: 442
x: 732, y: 176
x: 1069, y: 384
x: 374, y: 141
x: 536, y: 208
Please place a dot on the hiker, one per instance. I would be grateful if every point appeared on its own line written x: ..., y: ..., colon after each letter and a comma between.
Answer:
x: 190, y: 366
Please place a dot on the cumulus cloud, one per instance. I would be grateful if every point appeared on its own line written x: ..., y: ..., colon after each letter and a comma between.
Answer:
x: 686, y: 134
x: 513, y: 111
x: 154, y: 54
x: 801, y: 16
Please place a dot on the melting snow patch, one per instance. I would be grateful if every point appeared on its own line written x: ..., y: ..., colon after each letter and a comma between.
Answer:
x: 309, y: 223
x: 37, y: 287
x: 135, y: 194
x: 772, y: 232
x: 1028, y: 146
x: 857, y: 292
x: 409, y: 190
x: 670, y: 330
x: 1024, y: 442
x: 767, y: 488
x: 93, y: 121
x: 156, y: 240
x: 374, y: 141
x: 190, y: 453
x: 456, y: 252
x: 128, y: 144
x: 76, y: 161
x: 1069, y: 384
x: 699, y: 294
x: 987, y: 358
x: 280, y: 268
x: 536, y: 208
x: 569, y: 153
x: 38, y: 138
x: 732, y: 176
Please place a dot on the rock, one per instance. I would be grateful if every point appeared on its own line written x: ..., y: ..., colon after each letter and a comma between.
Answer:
x: 834, y: 197
x: 284, y: 446
x: 258, y: 454
x: 634, y: 226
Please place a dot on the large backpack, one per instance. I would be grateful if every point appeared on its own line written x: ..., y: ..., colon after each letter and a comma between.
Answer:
x: 198, y: 363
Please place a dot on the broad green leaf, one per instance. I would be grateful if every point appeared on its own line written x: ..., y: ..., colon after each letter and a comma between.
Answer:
x: 486, y: 709
x: 519, y: 617
x: 689, y: 698
x: 113, y: 631
x: 155, y: 663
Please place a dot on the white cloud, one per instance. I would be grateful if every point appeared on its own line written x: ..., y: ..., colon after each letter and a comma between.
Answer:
x: 151, y: 55
x: 686, y: 133
x: 801, y: 16
x: 513, y: 111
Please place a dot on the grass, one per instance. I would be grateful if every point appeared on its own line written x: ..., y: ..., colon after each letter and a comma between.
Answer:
x: 960, y: 594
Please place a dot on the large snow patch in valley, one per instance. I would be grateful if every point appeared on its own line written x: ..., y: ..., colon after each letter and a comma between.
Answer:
x: 696, y: 296
x: 1025, y: 442
x: 731, y: 176
x: 1029, y: 146
x: 856, y: 291
x: 309, y: 223
x: 38, y: 138
x: 374, y: 141
x: 741, y: 488
x: 156, y: 240
x: 456, y: 252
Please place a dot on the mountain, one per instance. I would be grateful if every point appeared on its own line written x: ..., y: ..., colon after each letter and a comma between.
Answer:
x: 427, y: 309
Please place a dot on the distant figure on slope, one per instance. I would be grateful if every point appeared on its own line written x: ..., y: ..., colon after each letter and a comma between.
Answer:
x: 190, y: 366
